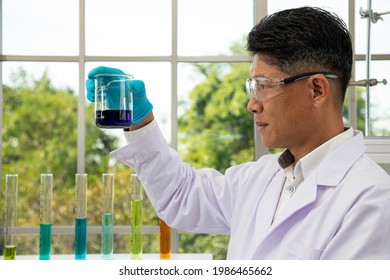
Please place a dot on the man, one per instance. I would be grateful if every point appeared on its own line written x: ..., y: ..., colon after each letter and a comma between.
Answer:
x: 322, y: 198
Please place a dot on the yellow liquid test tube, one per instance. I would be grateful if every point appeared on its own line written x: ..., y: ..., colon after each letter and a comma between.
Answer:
x: 11, y: 199
x: 165, y: 241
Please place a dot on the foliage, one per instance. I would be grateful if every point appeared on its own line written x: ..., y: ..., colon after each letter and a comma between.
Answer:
x: 360, y: 105
x: 40, y: 136
x: 217, y: 132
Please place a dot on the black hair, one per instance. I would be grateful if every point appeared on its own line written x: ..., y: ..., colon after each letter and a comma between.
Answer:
x: 305, y: 39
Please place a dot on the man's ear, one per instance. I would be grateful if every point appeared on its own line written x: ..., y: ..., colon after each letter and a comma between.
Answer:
x: 320, y: 90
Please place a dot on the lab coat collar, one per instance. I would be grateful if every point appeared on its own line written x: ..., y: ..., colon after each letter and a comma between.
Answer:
x: 309, y: 162
x: 267, y: 203
x: 329, y: 173
x: 333, y: 169
x: 305, y: 195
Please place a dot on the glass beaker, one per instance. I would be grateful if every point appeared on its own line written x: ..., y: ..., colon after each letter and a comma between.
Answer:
x: 113, y: 100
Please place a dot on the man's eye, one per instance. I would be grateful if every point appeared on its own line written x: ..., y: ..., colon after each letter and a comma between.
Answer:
x: 262, y: 86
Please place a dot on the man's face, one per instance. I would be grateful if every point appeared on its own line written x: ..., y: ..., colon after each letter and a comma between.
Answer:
x: 283, y: 120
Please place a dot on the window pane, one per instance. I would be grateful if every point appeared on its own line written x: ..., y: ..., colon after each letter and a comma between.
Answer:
x: 204, y: 244
x: 211, y: 27
x: 40, y: 27
x: 386, y: 166
x: 379, y: 42
x: 99, y: 142
x: 157, y: 79
x: 40, y: 135
x: 212, y: 111
x: 215, y: 129
x: 61, y: 75
x: 335, y: 6
x: 128, y: 27
x: 379, y: 96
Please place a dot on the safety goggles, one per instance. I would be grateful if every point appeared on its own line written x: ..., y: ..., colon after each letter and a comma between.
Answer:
x: 261, y: 87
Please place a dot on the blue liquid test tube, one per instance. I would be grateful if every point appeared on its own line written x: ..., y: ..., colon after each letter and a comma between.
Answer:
x: 107, y: 217
x: 45, y: 234
x: 80, y: 247
x: 11, y: 199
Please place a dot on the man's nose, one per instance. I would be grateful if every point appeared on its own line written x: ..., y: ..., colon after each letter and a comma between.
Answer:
x: 254, y: 106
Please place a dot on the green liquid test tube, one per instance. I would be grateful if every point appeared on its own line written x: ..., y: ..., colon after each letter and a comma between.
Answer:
x: 136, y: 218
x: 2, y: 221
x: 46, y: 193
x: 80, y: 244
x: 108, y: 217
x: 11, y: 199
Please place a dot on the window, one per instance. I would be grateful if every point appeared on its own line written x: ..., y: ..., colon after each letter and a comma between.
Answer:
x: 211, y: 27
x: 375, y: 65
x: 41, y: 27
x: 128, y: 28
x: 177, y: 47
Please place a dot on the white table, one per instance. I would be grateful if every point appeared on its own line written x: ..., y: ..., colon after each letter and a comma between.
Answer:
x: 122, y: 257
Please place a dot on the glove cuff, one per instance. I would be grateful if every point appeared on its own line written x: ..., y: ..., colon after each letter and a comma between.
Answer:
x: 143, y: 113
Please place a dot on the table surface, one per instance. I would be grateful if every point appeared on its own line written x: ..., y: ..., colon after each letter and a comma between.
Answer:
x: 122, y: 257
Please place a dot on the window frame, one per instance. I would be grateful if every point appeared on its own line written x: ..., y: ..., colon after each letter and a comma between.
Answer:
x: 259, y: 11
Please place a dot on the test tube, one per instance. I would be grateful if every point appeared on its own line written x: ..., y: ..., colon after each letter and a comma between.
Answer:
x: 107, y: 217
x: 11, y: 199
x: 165, y: 241
x: 80, y: 247
x: 136, y: 217
x: 2, y: 222
x: 46, y: 193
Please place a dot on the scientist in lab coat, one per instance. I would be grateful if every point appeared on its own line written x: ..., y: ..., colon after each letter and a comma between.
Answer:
x: 322, y: 198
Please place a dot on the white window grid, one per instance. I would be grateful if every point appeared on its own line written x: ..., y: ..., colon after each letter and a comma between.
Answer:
x: 375, y: 145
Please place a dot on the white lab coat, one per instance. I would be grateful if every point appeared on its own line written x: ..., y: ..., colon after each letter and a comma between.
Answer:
x: 341, y: 211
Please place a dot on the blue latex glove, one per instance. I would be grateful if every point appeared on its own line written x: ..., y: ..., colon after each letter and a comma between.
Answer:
x: 141, y: 105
